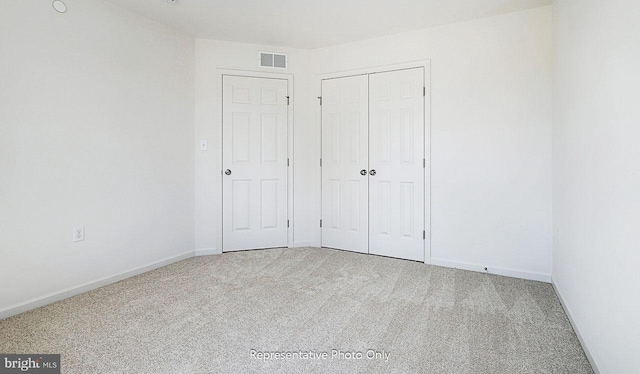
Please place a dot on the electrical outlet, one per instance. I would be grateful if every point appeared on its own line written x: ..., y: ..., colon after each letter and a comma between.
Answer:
x: 203, y: 145
x: 78, y: 233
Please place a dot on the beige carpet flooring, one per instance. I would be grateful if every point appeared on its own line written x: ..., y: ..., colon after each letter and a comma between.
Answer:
x: 206, y: 314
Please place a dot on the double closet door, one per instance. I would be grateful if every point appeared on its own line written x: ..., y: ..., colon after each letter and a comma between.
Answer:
x: 373, y: 164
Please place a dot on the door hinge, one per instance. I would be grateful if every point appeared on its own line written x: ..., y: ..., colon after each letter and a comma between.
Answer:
x: 424, y: 234
x: 287, y: 223
x: 424, y: 163
x: 320, y: 162
x: 287, y: 100
x: 320, y: 98
x: 424, y: 91
x: 320, y: 223
x: 287, y: 162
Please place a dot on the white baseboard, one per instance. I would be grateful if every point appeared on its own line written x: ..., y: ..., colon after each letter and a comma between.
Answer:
x: 493, y: 270
x: 207, y: 251
x: 299, y: 244
x: 585, y: 347
x: 88, y: 286
x: 53, y: 297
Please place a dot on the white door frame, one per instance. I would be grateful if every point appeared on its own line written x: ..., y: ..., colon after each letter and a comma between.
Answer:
x: 426, y: 65
x: 221, y: 72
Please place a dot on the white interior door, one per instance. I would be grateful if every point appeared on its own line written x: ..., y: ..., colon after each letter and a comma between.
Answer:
x: 396, y: 180
x: 344, y: 156
x: 254, y: 143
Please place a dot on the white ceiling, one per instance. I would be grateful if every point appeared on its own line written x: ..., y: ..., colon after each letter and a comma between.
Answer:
x: 317, y: 23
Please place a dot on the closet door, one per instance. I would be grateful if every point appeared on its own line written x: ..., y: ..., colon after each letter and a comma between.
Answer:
x: 254, y: 156
x: 396, y: 178
x: 344, y: 163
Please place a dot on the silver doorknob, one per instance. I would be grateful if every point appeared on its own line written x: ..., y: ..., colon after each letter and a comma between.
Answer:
x: 373, y: 172
x: 363, y: 172
x: 228, y: 172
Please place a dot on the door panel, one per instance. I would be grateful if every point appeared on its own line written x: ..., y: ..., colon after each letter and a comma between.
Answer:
x: 396, y: 189
x: 345, y: 154
x: 254, y: 132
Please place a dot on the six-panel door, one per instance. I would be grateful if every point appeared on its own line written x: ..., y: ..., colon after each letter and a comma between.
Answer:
x: 396, y: 154
x: 344, y: 156
x: 254, y: 132
x: 373, y: 171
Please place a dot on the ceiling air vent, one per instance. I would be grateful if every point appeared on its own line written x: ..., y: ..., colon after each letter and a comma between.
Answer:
x: 273, y: 60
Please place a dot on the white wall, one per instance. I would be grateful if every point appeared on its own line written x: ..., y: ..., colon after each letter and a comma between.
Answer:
x: 96, y: 129
x: 211, y: 57
x: 596, y: 175
x: 490, y: 135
